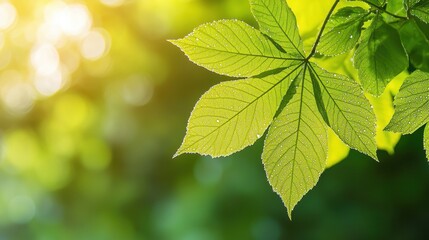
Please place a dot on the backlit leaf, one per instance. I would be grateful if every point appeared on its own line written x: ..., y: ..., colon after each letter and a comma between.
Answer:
x: 347, y: 110
x: 277, y: 20
x: 426, y: 141
x: 421, y: 10
x: 416, y: 43
x: 234, y: 114
x: 342, y: 31
x: 295, y: 149
x: 379, y: 57
x: 411, y: 104
x: 232, y: 48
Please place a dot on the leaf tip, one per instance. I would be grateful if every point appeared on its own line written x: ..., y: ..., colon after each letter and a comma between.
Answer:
x: 176, y: 154
x: 174, y: 41
x: 289, y: 212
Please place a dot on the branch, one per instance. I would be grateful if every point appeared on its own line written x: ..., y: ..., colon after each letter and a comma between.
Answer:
x: 313, y: 50
x: 384, y: 10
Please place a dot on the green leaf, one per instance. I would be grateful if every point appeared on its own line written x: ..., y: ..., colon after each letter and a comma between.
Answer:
x: 233, y: 115
x: 295, y: 149
x: 416, y: 43
x: 395, y: 7
x: 232, y: 48
x: 410, y: 3
x: 347, y: 110
x: 426, y: 141
x: 342, y: 31
x: 277, y: 20
x: 379, y: 57
x: 411, y: 104
x: 421, y: 10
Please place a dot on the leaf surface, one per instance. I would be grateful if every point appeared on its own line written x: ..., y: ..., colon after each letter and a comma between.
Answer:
x: 277, y: 20
x: 379, y: 57
x: 416, y: 43
x: 233, y: 115
x: 421, y: 10
x: 411, y: 104
x: 295, y: 148
x: 426, y: 141
x: 347, y: 110
x: 233, y: 48
x: 342, y: 31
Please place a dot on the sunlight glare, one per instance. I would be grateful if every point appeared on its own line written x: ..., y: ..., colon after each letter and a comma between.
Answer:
x: 93, y: 45
x: 69, y: 19
x: 112, y: 3
x: 18, y: 97
x: 7, y: 15
x: 47, y: 85
x: 44, y: 59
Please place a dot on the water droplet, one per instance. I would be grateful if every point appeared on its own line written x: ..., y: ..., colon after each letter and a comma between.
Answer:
x: 217, y: 120
x: 351, y: 36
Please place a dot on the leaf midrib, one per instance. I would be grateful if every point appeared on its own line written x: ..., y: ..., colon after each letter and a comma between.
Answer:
x: 335, y: 103
x: 287, y: 36
x: 243, y: 54
x: 297, y: 131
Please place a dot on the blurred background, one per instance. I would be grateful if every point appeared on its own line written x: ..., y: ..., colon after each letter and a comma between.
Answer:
x: 93, y: 104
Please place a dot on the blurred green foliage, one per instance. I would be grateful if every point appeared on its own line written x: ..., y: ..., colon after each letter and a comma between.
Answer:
x: 94, y: 103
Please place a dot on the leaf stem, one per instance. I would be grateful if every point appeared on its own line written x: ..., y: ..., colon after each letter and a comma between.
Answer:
x: 384, y: 10
x: 313, y: 50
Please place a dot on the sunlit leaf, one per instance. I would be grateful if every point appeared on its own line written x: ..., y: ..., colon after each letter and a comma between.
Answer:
x: 342, y: 31
x: 346, y: 110
x: 234, y: 114
x: 380, y: 56
x: 396, y: 7
x: 232, y: 48
x: 411, y: 104
x: 276, y: 20
x: 295, y: 149
x: 426, y: 140
x: 416, y: 43
x: 421, y: 10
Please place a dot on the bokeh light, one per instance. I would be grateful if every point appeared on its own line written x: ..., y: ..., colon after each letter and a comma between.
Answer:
x: 7, y: 15
x: 94, y: 45
x: 44, y: 59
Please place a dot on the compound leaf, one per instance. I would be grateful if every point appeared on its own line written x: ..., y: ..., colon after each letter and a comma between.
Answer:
x: 380, y: 56
x: 232, y: 48
x: 234, y: 114
x: 411, y: 104
x: 346, y: 110
x: 277, y: 20
x: 342, y: 31
x: 295, y: 149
